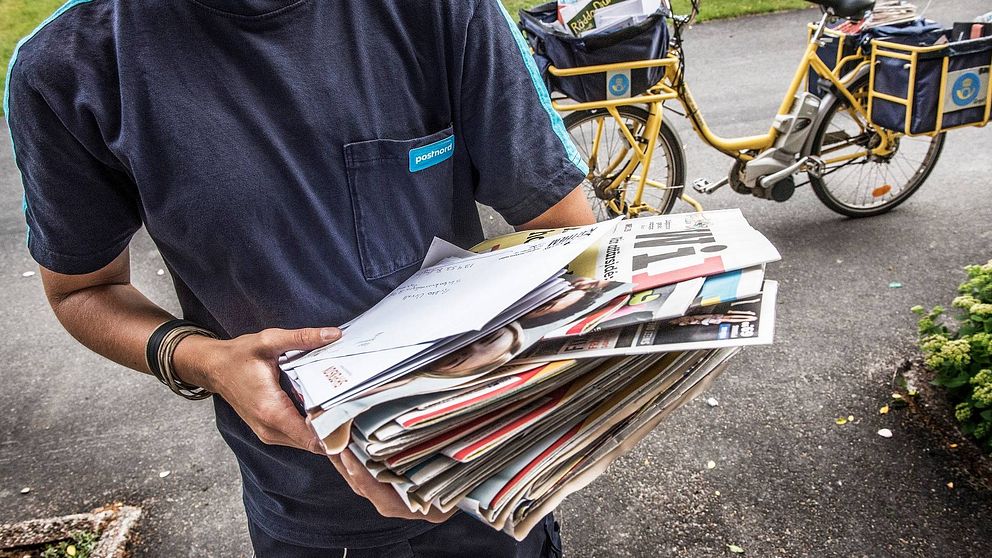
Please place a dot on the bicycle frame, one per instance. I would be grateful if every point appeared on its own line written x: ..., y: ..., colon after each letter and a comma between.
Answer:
x: 672, y: 86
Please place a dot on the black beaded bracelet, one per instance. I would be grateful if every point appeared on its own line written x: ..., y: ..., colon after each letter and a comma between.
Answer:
x: 161, y: 345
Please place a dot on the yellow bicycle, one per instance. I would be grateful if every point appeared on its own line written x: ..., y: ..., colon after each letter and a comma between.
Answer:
x: 637, y: 164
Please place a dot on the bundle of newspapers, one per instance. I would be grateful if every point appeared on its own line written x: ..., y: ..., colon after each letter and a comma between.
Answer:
x: 891, y: 12
x: 583, y: 18
x: 502, y: 379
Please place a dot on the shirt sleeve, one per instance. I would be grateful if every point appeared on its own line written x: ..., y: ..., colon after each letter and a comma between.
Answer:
x: 525, y: 158
x: 81, y: 211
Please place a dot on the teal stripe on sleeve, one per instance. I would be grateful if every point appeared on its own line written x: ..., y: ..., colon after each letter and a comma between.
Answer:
x: 13, y: 58
x: 10, y: 70
x: 542, y: 92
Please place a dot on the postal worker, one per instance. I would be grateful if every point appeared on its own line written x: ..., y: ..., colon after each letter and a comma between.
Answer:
x: 291, y: 160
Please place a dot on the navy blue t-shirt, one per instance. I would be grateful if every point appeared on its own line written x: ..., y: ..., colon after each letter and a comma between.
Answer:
x: 291, y: 160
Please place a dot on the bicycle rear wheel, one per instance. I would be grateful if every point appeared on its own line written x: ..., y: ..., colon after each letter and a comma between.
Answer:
x: 855, y: 182
x: 666, y: 173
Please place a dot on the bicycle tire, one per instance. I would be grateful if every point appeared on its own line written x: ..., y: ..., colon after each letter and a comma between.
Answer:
x: 826, y: 187
x: 669, y: 145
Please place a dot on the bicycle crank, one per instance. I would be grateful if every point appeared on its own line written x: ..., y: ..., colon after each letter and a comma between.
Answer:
x: 780, y: 190
x: 781, y: 184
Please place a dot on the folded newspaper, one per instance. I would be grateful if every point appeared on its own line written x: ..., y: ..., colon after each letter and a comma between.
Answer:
x: 583, y: 18
x: 500, y: 380
x: 891, y: 12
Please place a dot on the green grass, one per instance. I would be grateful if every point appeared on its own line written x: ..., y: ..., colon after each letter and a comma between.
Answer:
x: 717, y: 9
x: 710, y: 9
x: 17, y: 19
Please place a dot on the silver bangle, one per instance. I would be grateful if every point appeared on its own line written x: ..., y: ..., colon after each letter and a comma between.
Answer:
x: 164, y: 366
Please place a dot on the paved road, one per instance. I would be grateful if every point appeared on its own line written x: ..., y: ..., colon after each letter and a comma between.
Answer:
x: 788, y: 481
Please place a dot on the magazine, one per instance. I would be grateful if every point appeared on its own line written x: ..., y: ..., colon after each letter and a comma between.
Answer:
x: 455, y: 368
x: 891, y: 12
x: 731, y: 286
x: 529, y: 392
x: 542, y: 498
x: 658, y: 303
x: 586, y: 438
x: 661, y: 250
x: 750, y: 321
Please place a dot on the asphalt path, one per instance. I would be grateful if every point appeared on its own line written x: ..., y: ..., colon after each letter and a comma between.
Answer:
x: 788, y: 481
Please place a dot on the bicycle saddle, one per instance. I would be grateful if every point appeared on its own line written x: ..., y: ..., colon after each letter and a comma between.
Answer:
x: 845, y: 8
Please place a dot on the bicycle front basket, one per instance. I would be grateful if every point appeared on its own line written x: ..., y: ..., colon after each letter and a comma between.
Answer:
x: 647, y: 40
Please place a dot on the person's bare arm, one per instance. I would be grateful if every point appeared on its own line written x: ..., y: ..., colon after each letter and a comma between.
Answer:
x: 572, y: 211
x: 107, y: 314
x: 104, y: 312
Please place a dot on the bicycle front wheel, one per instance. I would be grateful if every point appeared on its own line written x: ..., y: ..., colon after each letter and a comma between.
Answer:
x: 608, y: 152
x: 857, y: 182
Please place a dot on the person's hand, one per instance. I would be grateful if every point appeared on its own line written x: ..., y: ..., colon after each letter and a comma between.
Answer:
x: 383, y: 496
x: 244, y: 372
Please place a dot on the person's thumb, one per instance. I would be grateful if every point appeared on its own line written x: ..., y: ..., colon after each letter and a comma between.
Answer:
x: 277, y: 341
x: 304, y: 437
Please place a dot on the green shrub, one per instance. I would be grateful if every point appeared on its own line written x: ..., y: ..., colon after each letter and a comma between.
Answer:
x: 961, y: 355
x: 79, y: 546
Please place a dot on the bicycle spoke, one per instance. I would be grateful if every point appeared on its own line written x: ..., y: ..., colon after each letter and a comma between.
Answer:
x: 615, y: 163
x: 861, y: 176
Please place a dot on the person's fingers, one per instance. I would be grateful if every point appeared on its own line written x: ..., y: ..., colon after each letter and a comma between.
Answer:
x: 274, y: 342
x: 384, y: 497
x: 297, y: 430
x: 357, y: 471
x: 381, y: 494
x: 279, y: 423
x: 272, y: 437
x: 435, y: 515
x: 345, y: 473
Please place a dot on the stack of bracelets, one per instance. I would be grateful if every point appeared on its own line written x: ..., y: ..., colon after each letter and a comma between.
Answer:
x: 158, y: 355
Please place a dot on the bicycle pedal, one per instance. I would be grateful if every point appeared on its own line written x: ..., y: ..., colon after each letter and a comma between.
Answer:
x: 704, y: 186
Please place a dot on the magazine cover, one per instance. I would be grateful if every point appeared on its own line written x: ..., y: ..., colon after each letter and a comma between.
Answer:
x: 730, y: 286
x: 669, y: 301
x: 663, y: 249
x: 591, y: 321
x: 659, y: 303
x: 750, y: 321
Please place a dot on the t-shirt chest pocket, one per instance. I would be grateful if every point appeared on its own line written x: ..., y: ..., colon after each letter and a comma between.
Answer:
x: 402, y: 195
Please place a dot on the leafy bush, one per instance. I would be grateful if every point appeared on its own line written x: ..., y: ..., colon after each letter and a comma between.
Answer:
x: 961, y: 356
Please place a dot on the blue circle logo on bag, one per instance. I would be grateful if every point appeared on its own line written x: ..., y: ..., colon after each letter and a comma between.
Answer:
x: 965, y: 89
x: 619, y: 84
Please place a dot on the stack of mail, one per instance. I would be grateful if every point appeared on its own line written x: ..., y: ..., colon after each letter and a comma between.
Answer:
x: 891, y: 12
x: 589, y: 17
x: 499, y: 381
